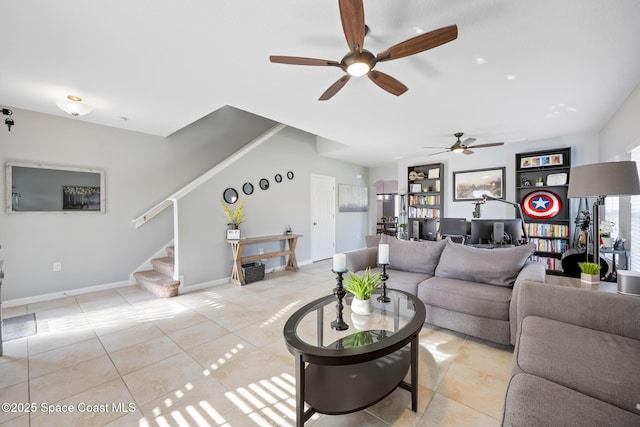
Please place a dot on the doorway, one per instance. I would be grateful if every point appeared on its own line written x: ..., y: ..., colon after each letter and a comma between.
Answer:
x: 323, y: 217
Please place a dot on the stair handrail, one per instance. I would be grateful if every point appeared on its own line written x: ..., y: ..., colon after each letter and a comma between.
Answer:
x: 168, y: 201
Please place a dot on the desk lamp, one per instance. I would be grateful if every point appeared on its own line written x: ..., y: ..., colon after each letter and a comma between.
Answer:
x: 601, y: 180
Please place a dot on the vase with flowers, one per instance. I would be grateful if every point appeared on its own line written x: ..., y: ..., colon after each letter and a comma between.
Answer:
x: 234, y: 217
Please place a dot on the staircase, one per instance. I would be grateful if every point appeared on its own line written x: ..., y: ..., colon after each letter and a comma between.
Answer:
x: 159, y: 281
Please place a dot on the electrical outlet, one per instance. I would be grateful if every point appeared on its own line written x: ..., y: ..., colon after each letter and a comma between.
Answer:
x: 57, y: 266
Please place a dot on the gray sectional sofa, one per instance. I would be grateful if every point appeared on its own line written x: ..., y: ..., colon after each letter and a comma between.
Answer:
x: 576, y: 360
x: 467, y: 289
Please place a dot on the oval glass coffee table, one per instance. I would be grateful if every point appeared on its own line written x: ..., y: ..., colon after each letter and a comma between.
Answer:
x: 338, y: 372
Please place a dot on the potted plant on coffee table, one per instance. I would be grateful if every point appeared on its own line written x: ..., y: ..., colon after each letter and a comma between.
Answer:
x: 362, y: 287
x: 590, y: 273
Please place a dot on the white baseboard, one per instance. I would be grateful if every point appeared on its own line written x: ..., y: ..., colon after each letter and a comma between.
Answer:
x: 72, y: 292
x: 62, y: 294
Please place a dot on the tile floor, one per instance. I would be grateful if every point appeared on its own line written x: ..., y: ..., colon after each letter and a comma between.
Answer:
x: 217, y: 357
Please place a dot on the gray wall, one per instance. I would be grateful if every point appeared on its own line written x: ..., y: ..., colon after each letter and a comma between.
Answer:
x: 140, y: 171
x: 204, y: 255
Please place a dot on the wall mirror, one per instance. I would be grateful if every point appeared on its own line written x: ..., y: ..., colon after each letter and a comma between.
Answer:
x: 48, y: 188
x: 230, y: 195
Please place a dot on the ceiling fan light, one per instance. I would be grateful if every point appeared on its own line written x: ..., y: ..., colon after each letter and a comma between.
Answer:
x: 74, y: 105
x: 458, y: 150
x: 358, y: 69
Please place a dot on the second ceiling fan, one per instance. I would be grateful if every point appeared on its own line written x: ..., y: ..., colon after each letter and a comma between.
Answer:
x: 463, y: 146
x: 359, y: 61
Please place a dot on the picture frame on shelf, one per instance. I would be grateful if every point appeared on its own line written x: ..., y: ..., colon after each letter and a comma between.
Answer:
x: 472, y: 184
x: 556, y: 159
x: 415, y: 188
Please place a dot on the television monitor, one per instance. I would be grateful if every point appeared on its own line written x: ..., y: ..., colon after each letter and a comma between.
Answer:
x: 429, y: 229
x: 482, y: 231
x: 424, y: 229
x: 453, y: 226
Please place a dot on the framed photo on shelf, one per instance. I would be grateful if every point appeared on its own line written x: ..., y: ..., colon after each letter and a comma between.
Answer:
x: 415, y: 188
x: 541, y: 161
x: 472, y: 184
x: 233, y: 234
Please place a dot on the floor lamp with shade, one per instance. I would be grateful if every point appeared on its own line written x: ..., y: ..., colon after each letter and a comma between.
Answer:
x: 600, y: 180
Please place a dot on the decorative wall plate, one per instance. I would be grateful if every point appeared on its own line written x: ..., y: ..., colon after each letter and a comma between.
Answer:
x: 290, y: 175
x: 278, y: 178
x: 247, y: 188
x: 230, y: 195
x: 264, y: 183
x: 541, y: 204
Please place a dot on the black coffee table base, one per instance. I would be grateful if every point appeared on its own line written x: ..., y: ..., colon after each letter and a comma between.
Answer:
x: 335, y: 390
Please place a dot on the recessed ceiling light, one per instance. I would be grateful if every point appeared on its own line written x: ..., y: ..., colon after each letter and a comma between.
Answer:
x: 74, y: 105
x: 480, y: 61
x: 511, y: 77
x: 418, y: 30
x: 398, y: 158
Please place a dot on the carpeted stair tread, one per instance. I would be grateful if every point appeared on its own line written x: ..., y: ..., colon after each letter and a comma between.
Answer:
x: 158, y: 284
x: 171, y: 251
x: 164, y: 265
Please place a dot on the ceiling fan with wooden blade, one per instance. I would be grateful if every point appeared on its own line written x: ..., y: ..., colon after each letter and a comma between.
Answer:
x: 359, y: 61
x: 463, y: 146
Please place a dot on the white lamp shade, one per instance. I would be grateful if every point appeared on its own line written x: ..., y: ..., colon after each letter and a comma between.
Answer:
x: 604, y: 179
x: 75, y: 108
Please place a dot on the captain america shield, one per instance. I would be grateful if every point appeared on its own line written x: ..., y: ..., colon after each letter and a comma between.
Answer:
x: 541, y: 204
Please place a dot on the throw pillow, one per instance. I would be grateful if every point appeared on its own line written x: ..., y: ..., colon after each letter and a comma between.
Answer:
x: 412, y: 256
x: 498, y: 266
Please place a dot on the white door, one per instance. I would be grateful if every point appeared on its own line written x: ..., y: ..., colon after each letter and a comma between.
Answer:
x: 323, y: 217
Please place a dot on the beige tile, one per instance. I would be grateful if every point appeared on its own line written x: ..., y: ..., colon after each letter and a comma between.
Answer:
x: 22, y: 421
x: 446, y: 412
x: 395, y: 409
x: 130, y: 336
x: 214, y: 354
x: 179, y: 320
x: 255, y: 366
x: 490, y: 359
x: 96, y: 406
x: 360, y: 419
x: 100, y: 300
x: 437, y: 352
x: 137, y: 356
x: 17, y: 310
x: 50, y: 361
x: 155, y: 380
x: 203, y: 399
x: 14, y: 372
x: 17, y: 393
x: 474, y: 389
x: 232, y: 319
x: 60, y: 337
x: 198, y: 334
x: 66, y: 382
x: 262, y: 333
x: 14, y: 350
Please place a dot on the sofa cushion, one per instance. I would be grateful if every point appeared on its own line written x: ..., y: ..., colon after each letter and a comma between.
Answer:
x: 498, y: 266
x: 598, y: 364
x: 412, y: 256
x: 533, y: 401
x: 473, y: 298
x: 402, y: 280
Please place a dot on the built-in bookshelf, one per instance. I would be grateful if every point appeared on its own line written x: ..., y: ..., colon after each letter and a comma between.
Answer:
x: 425, y: 185
x: 542, y: 182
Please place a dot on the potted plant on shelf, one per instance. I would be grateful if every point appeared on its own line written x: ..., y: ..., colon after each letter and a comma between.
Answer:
x: 362, y: 287
x: 590, y: 273
x: 606, y: 228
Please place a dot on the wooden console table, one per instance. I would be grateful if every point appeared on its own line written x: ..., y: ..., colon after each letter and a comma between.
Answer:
x: 237, y: 247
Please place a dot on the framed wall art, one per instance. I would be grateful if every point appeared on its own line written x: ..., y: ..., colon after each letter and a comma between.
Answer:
x: 352, y: 198
x: 472, y: 184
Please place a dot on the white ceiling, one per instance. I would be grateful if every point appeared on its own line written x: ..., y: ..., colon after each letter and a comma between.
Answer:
x: 164, y: 64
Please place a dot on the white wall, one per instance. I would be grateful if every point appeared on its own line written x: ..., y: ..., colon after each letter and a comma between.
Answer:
x: 140, y: 170
x: 204, y: 255
x: 617, y: 138
x: 584, y: 150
